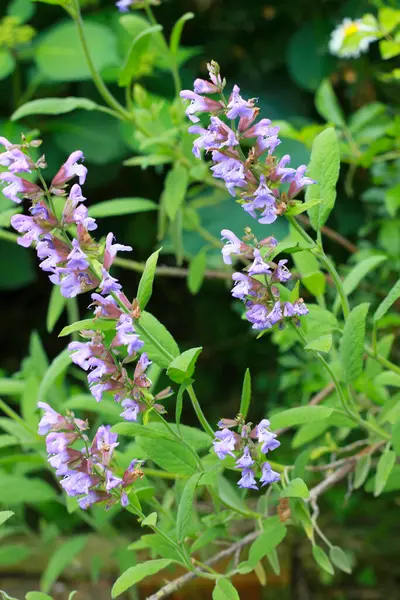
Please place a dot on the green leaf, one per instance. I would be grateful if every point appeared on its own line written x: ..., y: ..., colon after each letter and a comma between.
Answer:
x: 145, y: 288
x: 361, y: 471
x: 169, y: 455
x: 174, y: 193
x: 352, y: 343
x: 150, y: 520
x: 396, y: 437
x: 358, y: 273
x: 179, y: 400
x: 392, y: 199
x: 196, y: 438
x: 390, y: 299
x: 321, y: 344
x: 58, y: 366
x: 135, y: 574
x: 246, y: 394
x: 7, y: 63
x: 383, y: 470
x: 300, y: 207
x: 388, y: 378
x: 185, y: 508
x: 182, y: 367
x: 196, y: 272
x: 11, y: 387
x: 5, y: 515
x: 389, y: 18
x: 307, y: 66
x: 315, y: 283
x: 224, y: 590
x: 389, y: 49
x: 295, y: 489
x: 61, y: 45
x: 158, y: 342
x: 22, y: 9
x: 12, y: 554
x: 230, y: 497
x: 56, y: 307
x: 138, y: 57
x: 18, y: 490
x: 177, y: 32
x: 60, y: 559
x: 324, y: 169
x: 266, y: 542
x: 327, y: 104
x: 54, y: 106
x: 94, y: 324
x: 340, y: 559
x: 365, y: 116
x: 322, y: 560
x: 121, y: 206
x: 299, y: 416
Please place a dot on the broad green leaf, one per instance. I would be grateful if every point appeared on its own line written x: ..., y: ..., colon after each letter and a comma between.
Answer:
x: 300, y: 207
x: 364, y: 116
x: 61, y: 45
x: 322, y: 560
x: 361, y: 471
x: 22, y: 9
x: 389, y: 49
x: 174, y: 193
x: 56, y: 368
x: 54, y: 106
x: 229, y: 496
x: 68, y: 5
x: 7, y: 63
x: 60, y: 559
x: 307, y: 67
x: 389, y: 18
x: 196, y: 438
x: 246, y: 394
x: 327, y: 104
x: 121, y: 206
x: 299, y: 416
x: 179, y: 400
x: 12, y: 554
x: 390, y: 299
x: 94, y: 324
x: 11, y: 387
x: 311, y: 277
x: 340, y: 559
x: 56, y: 307
x: 18, y: 490
x: 388, y: 378
x: 133, y: 67
x: 308, y: 432
x: 135, y: 574
x: 150, y: 520
x: 396, y: 437
x: 295, y: 489
x: 182, y: 367
x: 196, y: 272
x: 177, y: 32
x: 273, y: 560
x: 392, y: 199
x: 169, y: 455
x: 352, y: 343
x: 358, y: 273
x: 205, y: 539
x: 324, y: 169
x: 159, y: 343
x: 185, y: 508
x: 224, y: 590
x: 266, y: 542
x: 383, y: 470
x: 5, y: 515
x: 321, y: 344
x: 315, y: 283
x: 145, y: 288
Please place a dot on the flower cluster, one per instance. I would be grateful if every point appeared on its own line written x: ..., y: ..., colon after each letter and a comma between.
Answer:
x: 78, y: 265
x: 351, y: 38
x: 256, y: 285
x: 87, y: 472
x: 259, y: 181
x: 247, y: 447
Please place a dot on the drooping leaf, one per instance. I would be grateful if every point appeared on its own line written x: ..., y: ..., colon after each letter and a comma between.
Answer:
x: 135, y: 574
x: 396, y: 437
x: 383, y: 470
x: 295, y: 489
x: 60, y: 559
x: 196, y: 272
x: 7, y: 63
x: 182, y: 367
x: 121, y: 206
x: 266, y: 542
x: 327, y: 104
x: 352, y: 343
x: 358, y: 273
x: 175, y: 188
x: 324, y: 169
x: 340, y: 559
x: 98, y: 324
x: 185, y: 508
x: 299, y: 416
x: 177, y: 32
x: 321, y: 344
x: 246, y: 394
x: 12, y: 554
x: 58, y: 366
x: 145, y: 287
x: 361, y: 471
x: 54, y: 106
x: 390, y: 299
x: 322, y: 560
x: 133, y: 67
x: 224, y: 590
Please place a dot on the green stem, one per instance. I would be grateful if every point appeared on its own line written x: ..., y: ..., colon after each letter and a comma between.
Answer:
x: 73, y: 315
x: 383, y: 361
x: 199, y: 413
x: 15, y: 417
x: 99, y: 83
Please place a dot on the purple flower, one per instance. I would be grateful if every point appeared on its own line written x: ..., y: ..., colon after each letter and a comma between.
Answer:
x: 299, y: 181
x: 247, y: 480
x: 99, y: 369
x: 109, y: 284
x: 110, y: 251
x: 199, y: 104
x: 142, y: 365
x: 77, y: 258
x: 259, y: 267
x: 105, y: 307
x: 276, y: 313
x: 282, y: 273
x: 233, y: 246
x: 238, y: 107
x: 131, y: 410
x: 268, y: 475
x: 50, y: 420
x: 217, y: 135
x: 126, y: 334
x: 16, y: 161
x: 62, y: 462
x: 245, y: 460
x: 70, y: 169
x: 81, y: 353
x: 258, y: 316
x: 123, y: 5
x: 300, y: 309
x: 263, y: 199
x: 104, y: 443
x: 282, y: 173
x: 242, y: 287
x: 90, y: 499
x: 124, y: 499
x: 266, y: 437
x: 225, y: 443
x: 17, y: 185
x: 112, y: 481
x: 57, y: 441
x: 74, y: 283
x: 201, y: 86
x: 28, y: 227
x: 98, y: 390
x: 230, y: 170
x: 77, y: 483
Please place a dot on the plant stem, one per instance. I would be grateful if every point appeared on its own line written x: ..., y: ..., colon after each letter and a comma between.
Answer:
x: 73, y: 315
x: 199, y: 413
x: 97, y: 80
x: 383, y: 361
